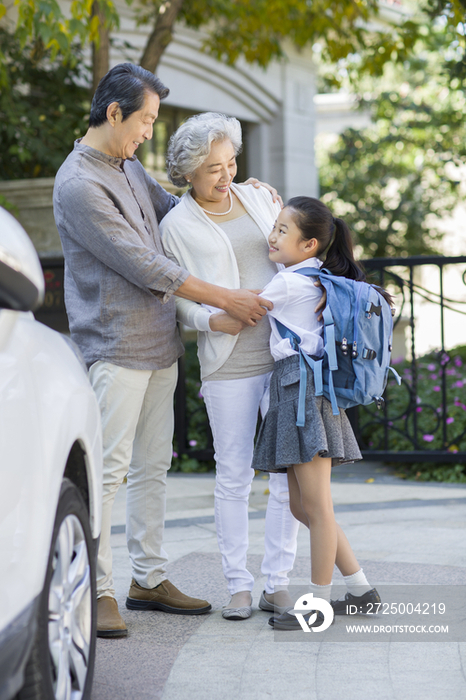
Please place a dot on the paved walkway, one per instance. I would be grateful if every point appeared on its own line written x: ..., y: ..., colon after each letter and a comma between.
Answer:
x: 402, y: 533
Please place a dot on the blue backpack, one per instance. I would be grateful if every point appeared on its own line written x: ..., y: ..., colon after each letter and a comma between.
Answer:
x: 358, y: 328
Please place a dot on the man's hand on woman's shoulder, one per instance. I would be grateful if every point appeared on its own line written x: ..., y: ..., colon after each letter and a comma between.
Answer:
x: 257, y: 183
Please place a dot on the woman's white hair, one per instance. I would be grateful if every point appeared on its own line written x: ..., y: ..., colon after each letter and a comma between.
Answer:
x: 190, y: 145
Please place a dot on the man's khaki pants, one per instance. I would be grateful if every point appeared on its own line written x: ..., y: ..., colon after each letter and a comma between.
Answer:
x: 137, y: 426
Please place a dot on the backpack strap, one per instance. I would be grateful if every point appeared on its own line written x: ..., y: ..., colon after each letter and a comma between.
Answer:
x: 329, y: 348
x: 396, y: 375
x: 315, y: 365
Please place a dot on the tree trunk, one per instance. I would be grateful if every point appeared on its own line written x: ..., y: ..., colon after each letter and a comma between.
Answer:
x: 161, y: 34
x: 100, y: 53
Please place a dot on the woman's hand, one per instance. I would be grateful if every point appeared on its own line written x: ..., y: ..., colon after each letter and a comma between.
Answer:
x: 225, y: 323
x: 323, y: 301
x: 257, y: 183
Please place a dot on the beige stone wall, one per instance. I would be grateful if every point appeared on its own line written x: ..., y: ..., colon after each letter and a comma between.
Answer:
x: 33, y: 200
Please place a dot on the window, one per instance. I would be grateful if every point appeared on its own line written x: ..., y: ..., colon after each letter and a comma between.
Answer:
x: 152, y: 153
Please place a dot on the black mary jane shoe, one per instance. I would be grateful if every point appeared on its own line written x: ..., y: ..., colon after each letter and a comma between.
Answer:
x: 287, y: 621
x: 368, y: 602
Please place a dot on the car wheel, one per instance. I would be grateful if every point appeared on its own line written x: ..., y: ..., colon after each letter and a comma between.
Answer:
x: 61, y: 664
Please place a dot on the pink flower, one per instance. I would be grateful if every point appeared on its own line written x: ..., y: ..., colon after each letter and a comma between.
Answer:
x: 451, y: 372
x: 193, y: 443
x: 199, y: 396
x: 459, y: 384
x: 458, y: 362
x: 175, y: 454
x: 431, y: 368
x: 450, y: 420
x: 428, y: 438
x: 436, y: 388
x: 433, y: 376
x: 445, y: 359
x: 418, y: 409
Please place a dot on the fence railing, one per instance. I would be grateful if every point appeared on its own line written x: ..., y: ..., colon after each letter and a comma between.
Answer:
x: 423, y: 421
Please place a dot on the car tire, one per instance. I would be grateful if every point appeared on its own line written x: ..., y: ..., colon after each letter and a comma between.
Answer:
x: 61, y: 665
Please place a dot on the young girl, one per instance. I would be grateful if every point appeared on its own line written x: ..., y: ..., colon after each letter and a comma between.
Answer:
x: 305, y: 229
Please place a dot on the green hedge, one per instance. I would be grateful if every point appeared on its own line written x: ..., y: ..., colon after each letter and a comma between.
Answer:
x: 432, y: 370
x: 197, y: 416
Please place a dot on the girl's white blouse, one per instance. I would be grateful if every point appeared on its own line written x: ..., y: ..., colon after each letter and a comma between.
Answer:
x: 294, y: 299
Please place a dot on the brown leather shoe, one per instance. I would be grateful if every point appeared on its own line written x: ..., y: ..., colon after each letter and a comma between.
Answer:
x: 109, y: 621
x: 164, y: 597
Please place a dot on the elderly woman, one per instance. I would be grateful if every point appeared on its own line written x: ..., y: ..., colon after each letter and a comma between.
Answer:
x: 219, y: 233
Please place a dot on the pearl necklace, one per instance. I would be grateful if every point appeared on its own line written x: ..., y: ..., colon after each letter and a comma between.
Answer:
x: 221, y: 213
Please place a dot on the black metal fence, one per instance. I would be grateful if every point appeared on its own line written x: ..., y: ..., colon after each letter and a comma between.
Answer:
x: 52, y: 312
x: 424, y: 420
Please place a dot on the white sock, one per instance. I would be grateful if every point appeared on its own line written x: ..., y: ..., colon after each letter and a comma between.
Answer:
x: 357, y: 583
x: 321, y: 591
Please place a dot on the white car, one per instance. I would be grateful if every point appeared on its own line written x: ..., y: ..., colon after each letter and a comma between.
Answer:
x: 50, y: 492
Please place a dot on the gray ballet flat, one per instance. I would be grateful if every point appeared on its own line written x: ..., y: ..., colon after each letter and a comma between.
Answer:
x: 237, y: 613
x: 264, y: 604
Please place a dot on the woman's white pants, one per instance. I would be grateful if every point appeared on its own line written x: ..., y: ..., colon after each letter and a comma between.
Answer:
x: 233, y: 407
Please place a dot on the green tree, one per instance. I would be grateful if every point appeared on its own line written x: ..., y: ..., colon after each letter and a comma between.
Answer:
x: 255, y: 30
x: 42, y: 28
x: 42, y: 109
x: 395, y: 180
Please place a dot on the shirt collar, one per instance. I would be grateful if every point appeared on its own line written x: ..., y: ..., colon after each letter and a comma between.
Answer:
x: 310, y: 262
x: 114, y: 162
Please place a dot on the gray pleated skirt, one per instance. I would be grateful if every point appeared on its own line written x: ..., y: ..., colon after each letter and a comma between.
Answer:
x: 280, y: 443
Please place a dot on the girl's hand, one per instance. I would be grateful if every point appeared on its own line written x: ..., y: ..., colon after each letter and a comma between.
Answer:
x: 224, y: 323
x: 257, y: 183
x: 323, y: 301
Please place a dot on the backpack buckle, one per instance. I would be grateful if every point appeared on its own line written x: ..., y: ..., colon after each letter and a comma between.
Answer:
x: 379, y: 402
x: 354, y: 352
x: 368, y: 354
x: 344, y: 346
x: 371, y: 308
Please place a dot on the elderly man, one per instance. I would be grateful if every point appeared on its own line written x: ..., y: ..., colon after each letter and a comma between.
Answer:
x: 119, y: 289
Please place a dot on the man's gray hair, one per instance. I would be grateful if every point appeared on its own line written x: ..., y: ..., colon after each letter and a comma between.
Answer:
x: 190, y: 145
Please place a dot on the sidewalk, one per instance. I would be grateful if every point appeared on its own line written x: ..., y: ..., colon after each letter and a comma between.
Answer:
x: 402, y: 533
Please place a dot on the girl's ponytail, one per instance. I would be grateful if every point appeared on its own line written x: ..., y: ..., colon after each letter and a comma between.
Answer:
x: 315, y: 220
x: 339, y: 259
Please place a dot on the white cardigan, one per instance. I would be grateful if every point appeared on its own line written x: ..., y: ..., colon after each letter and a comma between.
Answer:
x: 195, y: 242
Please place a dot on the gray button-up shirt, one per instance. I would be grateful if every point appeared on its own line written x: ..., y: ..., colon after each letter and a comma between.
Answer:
x: 118, y: 282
